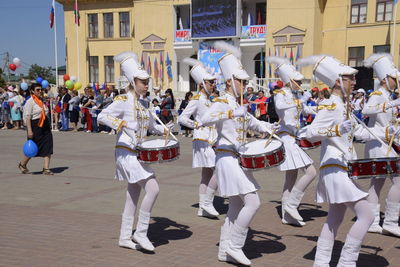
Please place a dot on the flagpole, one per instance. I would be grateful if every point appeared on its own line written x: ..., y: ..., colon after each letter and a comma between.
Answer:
x: 394, y: 27
x: 56, y: 56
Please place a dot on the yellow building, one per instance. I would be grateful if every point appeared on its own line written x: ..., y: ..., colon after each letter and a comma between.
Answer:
x: 349, y: 29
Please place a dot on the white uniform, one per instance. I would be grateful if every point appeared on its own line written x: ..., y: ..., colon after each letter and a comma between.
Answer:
x: 126, y: 108
x: 203, y: 137
x: 232, y: 179
x: 334, y: 185
x: 380, y: 119
x: 289, y: 108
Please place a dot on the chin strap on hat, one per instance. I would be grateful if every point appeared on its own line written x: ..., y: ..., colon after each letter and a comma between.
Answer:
x: 205, y: 88
x: 234, y: 87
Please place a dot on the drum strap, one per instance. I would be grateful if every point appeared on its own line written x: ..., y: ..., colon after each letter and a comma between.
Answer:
x: 226, y: 150
x: 285, y: 132
x: 127, y: 148
x: 203, y: 140
x: 333, y: 166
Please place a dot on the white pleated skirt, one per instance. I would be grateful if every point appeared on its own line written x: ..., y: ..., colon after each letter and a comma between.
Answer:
x: 203, y: 155
x: 335, y: 186
x: 232, y: 179
x: 295, y: 157
x: 129, y: 168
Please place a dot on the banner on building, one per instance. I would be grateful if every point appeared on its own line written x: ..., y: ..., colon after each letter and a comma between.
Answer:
x: 254, y: 32
x: 182, y: 36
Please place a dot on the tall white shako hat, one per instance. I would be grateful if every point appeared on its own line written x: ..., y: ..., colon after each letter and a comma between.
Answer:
x: 130, y: 67
x: 230, y: 64
x: 327, y: 69
x: 383, y: 66
x: 199, y: 72
x: 286, y: 71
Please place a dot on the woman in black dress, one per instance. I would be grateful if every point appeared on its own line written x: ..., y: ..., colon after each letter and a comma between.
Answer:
x: 183, y: 105
x: 167, y: 105
x: 38, y: 129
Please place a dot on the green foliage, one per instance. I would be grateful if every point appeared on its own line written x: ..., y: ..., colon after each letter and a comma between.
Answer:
x: 39, y: 71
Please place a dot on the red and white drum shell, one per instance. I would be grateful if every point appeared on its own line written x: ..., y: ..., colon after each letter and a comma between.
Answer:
x: 374, y: 168
x: 155, y: 151
x: 305, y: 144
x: 253, y: 156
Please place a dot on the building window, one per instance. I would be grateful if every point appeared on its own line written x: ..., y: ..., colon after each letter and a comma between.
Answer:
x: 259, y: 65
x: 261, y: 12
x: 382, y: 49
x: 358, y: 11
x: 356, y: 56
x: 109, y: 69
x: 93, y: 26
x: 108, y: 25
x: 384, y: 10
x: 93, y: 69
x: 124, y: 24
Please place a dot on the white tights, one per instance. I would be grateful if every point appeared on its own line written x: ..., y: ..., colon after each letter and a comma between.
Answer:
x: 376, y: 187
x: 302, y: 183
x: 208, y: 180
x: 336, y: 213
x: 150, y: 186
x: 242, y: 209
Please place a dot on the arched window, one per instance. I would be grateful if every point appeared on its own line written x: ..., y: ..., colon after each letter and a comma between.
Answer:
x: 259, y: 65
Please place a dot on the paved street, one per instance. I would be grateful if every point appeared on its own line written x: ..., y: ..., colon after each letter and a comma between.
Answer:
x: 73, y: 217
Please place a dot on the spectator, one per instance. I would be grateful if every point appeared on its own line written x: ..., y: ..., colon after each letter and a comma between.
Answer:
x: 57, y: 109
x: 93, y: 110
x: 107, y: 100
x: 15, y: 109
x: 357, y: 103
x: 5, y: 108
x: 271, y: 112
x: 86, y: 104
x: 261, y: 102
x: 250, y: 96
x: 167, y: 105
x: 184, y: 103
x: 156, y: 107
x: 74, y: 110
x: 307, y: 119
x: 65, y: 98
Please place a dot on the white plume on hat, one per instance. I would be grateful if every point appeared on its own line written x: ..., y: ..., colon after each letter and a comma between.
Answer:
x: 382, y: 63
x: 230, y: 63
x: 228, y: 48
x: 286, y: 71
x: 130, y: 66
x: 198, y: 71
x: 327, y: 68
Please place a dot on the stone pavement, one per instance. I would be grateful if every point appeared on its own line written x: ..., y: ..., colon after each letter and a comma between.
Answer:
x: 73, y: 217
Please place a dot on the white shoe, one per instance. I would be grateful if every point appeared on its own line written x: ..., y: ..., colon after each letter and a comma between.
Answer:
x: 324, y: 252
x: 206, y: 205
x: 223, y: 245
x: 375, y: 227
x: 287, y: 219
x: 126, y: 233
x: 293, y: 202
x: 350, y: 251
x: 391, y: 222
x: 236, y: 243
x: 88, y: 131
x: 140, y: 235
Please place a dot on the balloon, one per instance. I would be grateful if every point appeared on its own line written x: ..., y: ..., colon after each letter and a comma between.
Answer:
x: 66, y: 77
x: 77, y: 85
x: 11, y: 104
x: 30, y: 149
x: 279, y: 83
x: 73, y: 79
x: 24, y: 86
x: 45, y: 84
x: 12, y: 67
x: 39, y: 80
x: 69, y: 84
x: 17, y: 61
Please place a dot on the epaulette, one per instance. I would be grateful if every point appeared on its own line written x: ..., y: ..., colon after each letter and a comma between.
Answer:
x: 221, y: 100
x: 196, y: 97
x: 121, y: 98
x: 327, y: 107
x: 375, y: 93
x: 278, y: 91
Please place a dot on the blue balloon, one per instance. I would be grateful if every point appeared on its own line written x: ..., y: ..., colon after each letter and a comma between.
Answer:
x: 45, y: 84
x: 30, y: 149
x: 39, y: 79
x: 270, y: 86
x: 24, y: 86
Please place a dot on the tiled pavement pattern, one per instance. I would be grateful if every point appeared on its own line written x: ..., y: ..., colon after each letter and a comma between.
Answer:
x: 73, y: 217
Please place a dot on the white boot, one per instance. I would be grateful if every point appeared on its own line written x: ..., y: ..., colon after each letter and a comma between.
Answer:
x: 208, y: 204
x: 140, y: 235
x: 350, y: 251
x: 375, y: 227
x: 223, y: 244
x: 391, y: 223
x: 323, y: 253
x: 286, y: 218
x: 125, y: 236
x: 235, y: 245
x: 293, y: 203
x: 206, y: 208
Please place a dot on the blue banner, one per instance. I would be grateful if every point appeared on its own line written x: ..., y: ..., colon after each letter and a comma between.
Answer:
x: 254, y: 32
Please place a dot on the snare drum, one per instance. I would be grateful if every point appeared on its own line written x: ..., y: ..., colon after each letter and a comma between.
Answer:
x: 155, y: 151
x: 374, y: 168
x: 305, y: 144
x: 253, y: 156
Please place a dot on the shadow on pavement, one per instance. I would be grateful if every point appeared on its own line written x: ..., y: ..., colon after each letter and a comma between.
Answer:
x: 312, y: 211
x: 259, y: 243
x: 164, y: 229
x: 55, y: 170
x: 365, y: 259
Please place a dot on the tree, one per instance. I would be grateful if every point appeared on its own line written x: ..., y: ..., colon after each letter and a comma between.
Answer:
x: 38, y: 71
x: 2, y: 81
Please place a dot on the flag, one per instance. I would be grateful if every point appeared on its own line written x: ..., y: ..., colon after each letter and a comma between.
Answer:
x: 277, y: 51
x: 95, y: 89
x: 161, y: 67
x: 52, y: 15
x: 259, y: 22
x: 148, y: 65
x: 76, y: 13
x: 155, y: 68
x: 298, y: 55
x: 142, y: 61
x: 180, y: 24
x: 262, y: 64
x: 249, y: 20
x: 291, y: 58
x: 269, y: 65
x: 169, y: 69
x: 285, y: 55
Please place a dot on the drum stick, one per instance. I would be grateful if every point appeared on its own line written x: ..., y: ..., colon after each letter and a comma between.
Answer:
x: 348, y: 106
x: 241, y: 104
x: 270, y: 137
x: 301, y: 88
x: 165, y: 127
x: 391, y: 140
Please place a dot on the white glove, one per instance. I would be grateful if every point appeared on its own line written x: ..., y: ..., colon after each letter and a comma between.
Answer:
x: 80, y: 105
x: 240, y: 111
x: 393, y: 103
x: 306, y: 96
x: 276, y: 126
x: 394, y: 130
x: 345, y: 127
